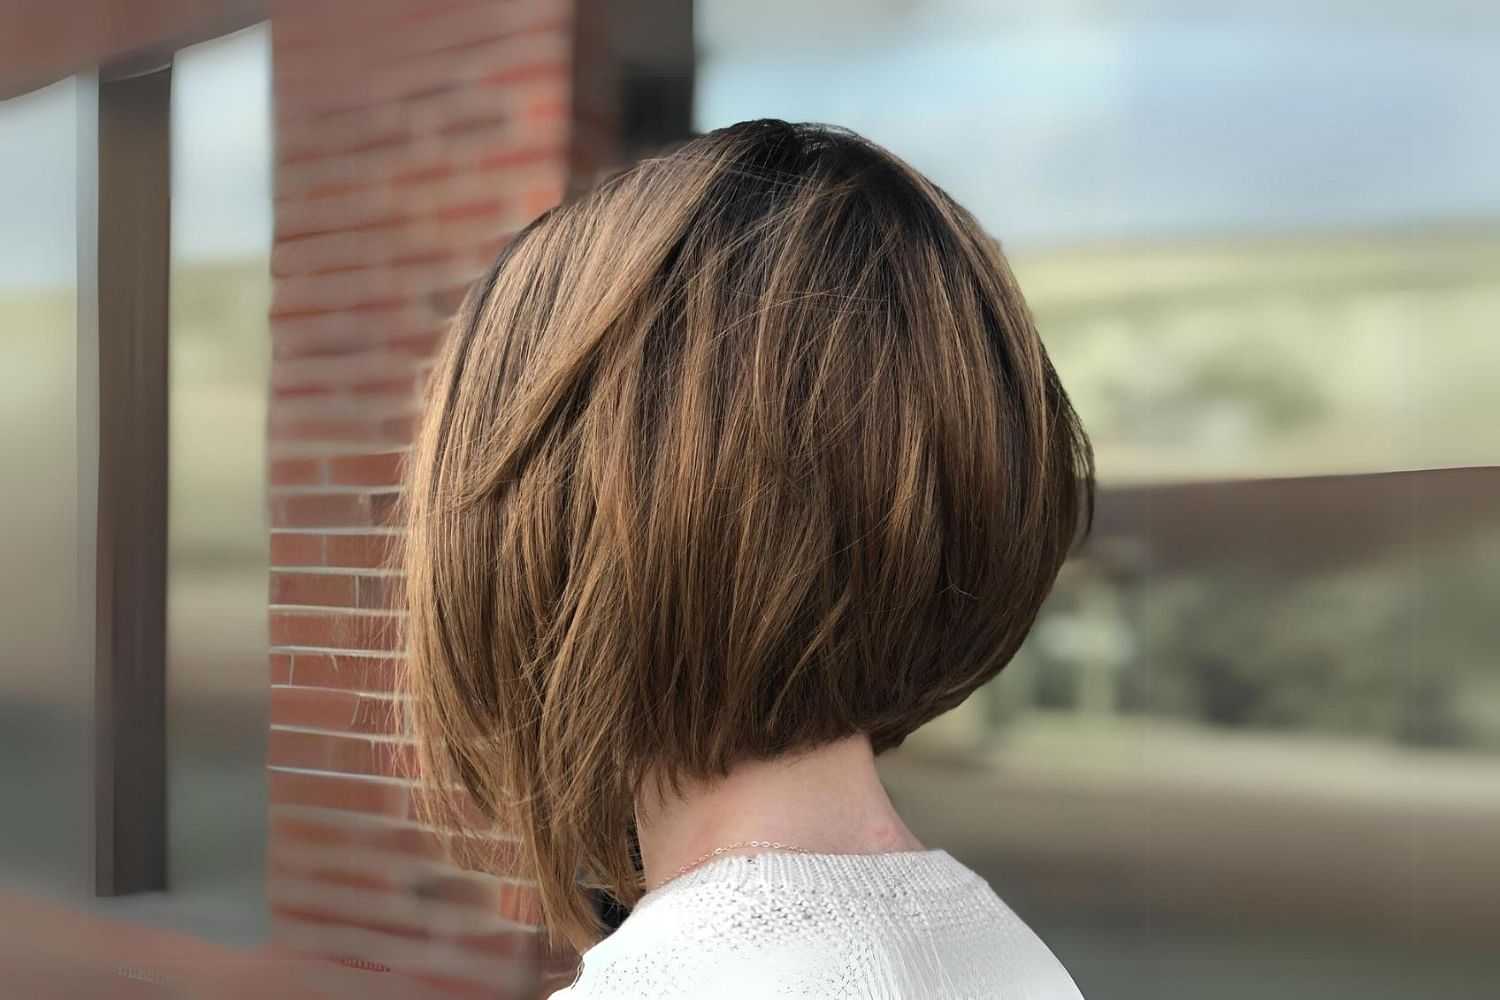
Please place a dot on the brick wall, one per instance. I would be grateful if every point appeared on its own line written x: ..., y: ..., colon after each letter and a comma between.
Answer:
x: 412, y: 138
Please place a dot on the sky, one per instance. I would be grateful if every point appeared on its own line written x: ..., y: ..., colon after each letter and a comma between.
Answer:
x: 1055, y: 131
x: 1080, y: 130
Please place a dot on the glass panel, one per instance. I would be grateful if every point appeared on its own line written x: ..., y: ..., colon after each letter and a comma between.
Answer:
x: 1137, y: 119
x: 1253, y: 746
x: 1253, y: 739
x: 217, y: 546
x: 1295, y: 356
x: 1255, y: 243
x: 46, y: 683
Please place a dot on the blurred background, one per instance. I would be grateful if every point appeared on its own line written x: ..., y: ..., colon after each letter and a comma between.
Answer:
x: 1253, y: 745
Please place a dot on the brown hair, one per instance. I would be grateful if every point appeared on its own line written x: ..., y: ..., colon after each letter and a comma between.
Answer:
x: 752, y: 448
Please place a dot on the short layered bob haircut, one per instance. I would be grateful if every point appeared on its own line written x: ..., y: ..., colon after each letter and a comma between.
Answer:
x: 750, y: 449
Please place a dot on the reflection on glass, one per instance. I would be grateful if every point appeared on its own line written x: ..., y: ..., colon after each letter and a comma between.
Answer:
x: 46, y: 689
x: 1072, y: 124
x: 217, y: 691
x: 1254, y: 733
x: 1253, y: 746
x: 1243, y: 258
x: 1298, y: 356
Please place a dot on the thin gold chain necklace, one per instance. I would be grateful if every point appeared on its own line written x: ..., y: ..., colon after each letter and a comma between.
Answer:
x: 763, y: 845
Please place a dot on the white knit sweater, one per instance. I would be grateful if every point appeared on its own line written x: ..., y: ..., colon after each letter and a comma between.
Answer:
x: 898, y: 926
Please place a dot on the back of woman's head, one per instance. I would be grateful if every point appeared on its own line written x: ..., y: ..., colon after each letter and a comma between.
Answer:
x: 753, y: 448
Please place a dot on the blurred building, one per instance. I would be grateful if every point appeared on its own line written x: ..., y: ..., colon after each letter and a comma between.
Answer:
x: 1255, y: 739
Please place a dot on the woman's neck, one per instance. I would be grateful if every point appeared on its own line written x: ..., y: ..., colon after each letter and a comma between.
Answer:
x: 828, y: 800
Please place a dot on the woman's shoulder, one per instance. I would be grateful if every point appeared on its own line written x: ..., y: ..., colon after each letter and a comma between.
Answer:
x: 684, y: 950
x: 663, y: 947
x: 761, y: 927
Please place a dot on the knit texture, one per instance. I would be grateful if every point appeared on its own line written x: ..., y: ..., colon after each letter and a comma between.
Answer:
x: 901, y: 926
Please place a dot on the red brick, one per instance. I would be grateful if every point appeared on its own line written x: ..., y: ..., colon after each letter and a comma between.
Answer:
x: 445, y: 301
x: 381, y: 469
x: 361, y: 359
x: 383, y: 508
x: 350, y: 267
x: 301, y: 630
x: 292, y: 233
x: 313, y: 708
x: 333, y: 630
x: 423, y: 345
x: 291, y: 347
x: 401, y: 428
x: 324, y: 429
x: 353, y: 673
x: 508, y: 158
x: 505, y: 944
x: 311, y: 152
x: 333, y: 915
x: 423, y: 175
x: 464, y: 890
x: 315, y: 510
x: 430, y: 9
x: 322, y: 832
x: 371, y: 551
x: 329, y: 589
x: 538, y: 200
x: 479, y: 208
x: 356, y: 308
x: 295, y: 549
x: 548, y: 109
x: 333, y: 189
x: 417, y: 258
x: 521, y: 74
x: 363, y: 795
x: 337, y: 831
x: 296, y: 472
x: 347, y: 754
x: 343, y: 831
x: 379, y: 716
x: 281, y: 668
x: 378, y: 593
x: 300, y: 391
x: 393, y: 385
x: 281, y: 866
x: 411, y: 840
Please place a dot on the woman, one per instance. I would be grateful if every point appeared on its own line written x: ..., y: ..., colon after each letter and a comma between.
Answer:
x: 734, y: 473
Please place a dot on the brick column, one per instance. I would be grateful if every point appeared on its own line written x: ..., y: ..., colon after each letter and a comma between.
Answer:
x: 412, y: 137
